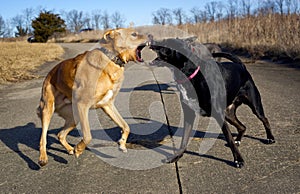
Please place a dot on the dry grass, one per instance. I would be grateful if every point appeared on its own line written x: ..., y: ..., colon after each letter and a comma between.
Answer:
x: 89, y: 36
x: 271, y: 34
x: 20, y: 59
x: 94, y: 36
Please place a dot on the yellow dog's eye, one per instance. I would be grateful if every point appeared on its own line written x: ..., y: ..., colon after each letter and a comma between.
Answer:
x: 134, y: 34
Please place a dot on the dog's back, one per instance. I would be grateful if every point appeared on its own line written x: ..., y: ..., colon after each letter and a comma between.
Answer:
x: 213, y: 48
x: 228, y: 56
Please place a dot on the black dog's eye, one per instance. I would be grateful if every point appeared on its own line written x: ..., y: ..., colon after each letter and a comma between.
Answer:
x: 134, y: 34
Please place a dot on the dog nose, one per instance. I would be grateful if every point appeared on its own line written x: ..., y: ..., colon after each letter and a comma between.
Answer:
x: 150, y: 40
x: 150, y: 36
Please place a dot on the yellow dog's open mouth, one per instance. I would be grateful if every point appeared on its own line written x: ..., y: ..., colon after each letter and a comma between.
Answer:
x: 139, y: 49
x: 138, y: 52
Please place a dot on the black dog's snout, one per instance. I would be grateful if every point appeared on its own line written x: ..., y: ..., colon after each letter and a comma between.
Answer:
x: 150, y: 40
x: 150, y: 37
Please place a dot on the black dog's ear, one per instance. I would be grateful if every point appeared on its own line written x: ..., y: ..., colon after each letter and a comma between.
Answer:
x: 190, y: 39
x: 165, y: 51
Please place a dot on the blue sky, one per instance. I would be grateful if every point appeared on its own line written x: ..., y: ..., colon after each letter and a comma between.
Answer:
x: 139, y: 12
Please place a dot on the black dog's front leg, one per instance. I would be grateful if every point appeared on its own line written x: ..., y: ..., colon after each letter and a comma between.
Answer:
x: 189, y: 118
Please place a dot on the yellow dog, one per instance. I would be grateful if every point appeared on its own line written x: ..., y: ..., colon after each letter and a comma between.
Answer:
x: 90, y: 80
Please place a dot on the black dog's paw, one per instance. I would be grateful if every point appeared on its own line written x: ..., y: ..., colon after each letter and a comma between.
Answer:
x: 237, y: 143
x: 172, y: 159
x: 270, y: 141
x: 239, y: 164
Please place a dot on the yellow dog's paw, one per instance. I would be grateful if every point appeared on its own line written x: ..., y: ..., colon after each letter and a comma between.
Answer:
x: 43, y: 162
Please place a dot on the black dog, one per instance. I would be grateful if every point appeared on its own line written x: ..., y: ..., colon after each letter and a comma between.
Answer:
x: 197, y: 67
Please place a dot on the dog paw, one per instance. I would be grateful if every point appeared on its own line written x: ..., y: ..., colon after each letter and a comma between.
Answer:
x: 270, y: 141
x: 77, y: 152
x: 123, y: 149
x: 43, y: 162
x: 122, y: 145
x: 172, y: 159
x: 238, y: 143
x: 239, y: 164
x: 71, y: 152
x: 79, y: 148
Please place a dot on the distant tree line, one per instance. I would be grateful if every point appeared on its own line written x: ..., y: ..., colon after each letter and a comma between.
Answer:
x: 97, y: 19
x: 74, y: 20
x: 216, y: 10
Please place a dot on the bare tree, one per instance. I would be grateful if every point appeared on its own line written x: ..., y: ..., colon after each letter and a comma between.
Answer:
x: 117, y: 20
x: 105, y: 21
x: 295, y: 6
x: 269, y: 6
x: 219, y: 10
x: 195, y: 14
x: 87, y: 21
x: 96, y: 19
x: 19, y: 23
x: 288, y: 4
x: 211, y: 8
x: 246, y: 7
x: 8, y: 29
x: 162, y: 16
x: 75, y: 20
x: 279, y: 4
x: 28, y: 17
x: 203, y: 16
x: 2, y: 26
x: 232, y: 9
x: 18, y: 20
x: 179, y: 15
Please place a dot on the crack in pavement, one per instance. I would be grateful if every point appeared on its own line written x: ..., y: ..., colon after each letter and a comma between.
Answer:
x: 170, y: 131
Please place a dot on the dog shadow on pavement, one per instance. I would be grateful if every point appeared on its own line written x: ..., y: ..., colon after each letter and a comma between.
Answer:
x: 29, y: 136
x: 160, y: 139
x: 22, y: 139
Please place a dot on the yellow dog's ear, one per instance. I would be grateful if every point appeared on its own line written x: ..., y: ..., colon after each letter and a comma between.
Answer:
x: 107, y: 34
x: 110, y: 34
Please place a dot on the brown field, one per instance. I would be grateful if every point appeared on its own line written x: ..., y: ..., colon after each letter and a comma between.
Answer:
x: 271, y: 35
x: 20, y: 59
x: 90, y: 36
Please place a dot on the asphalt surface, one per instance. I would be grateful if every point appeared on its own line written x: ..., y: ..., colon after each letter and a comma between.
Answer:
x: 153, y: 112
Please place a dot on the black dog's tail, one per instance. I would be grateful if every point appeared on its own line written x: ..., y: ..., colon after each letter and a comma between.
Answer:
x: 228, y: 56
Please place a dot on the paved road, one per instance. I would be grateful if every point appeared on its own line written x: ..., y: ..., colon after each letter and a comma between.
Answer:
x: 152, y: 111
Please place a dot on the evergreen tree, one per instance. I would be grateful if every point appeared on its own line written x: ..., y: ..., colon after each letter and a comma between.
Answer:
x: 46, y: 25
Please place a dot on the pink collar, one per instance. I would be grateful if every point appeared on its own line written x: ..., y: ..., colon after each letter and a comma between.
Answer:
x: 190, y: 77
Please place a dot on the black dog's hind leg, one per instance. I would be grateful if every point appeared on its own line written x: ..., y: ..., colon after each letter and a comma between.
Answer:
x: 254, y: 102
x: 238, y: 159
x: 189, y: 118
x: 230, y: 116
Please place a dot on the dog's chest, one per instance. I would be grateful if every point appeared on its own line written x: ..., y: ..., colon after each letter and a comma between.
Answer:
x: 110, y: 94
x: 190, y: 101
x: 107, y: 97
x: 106, y: 92
x: 186, y: 99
